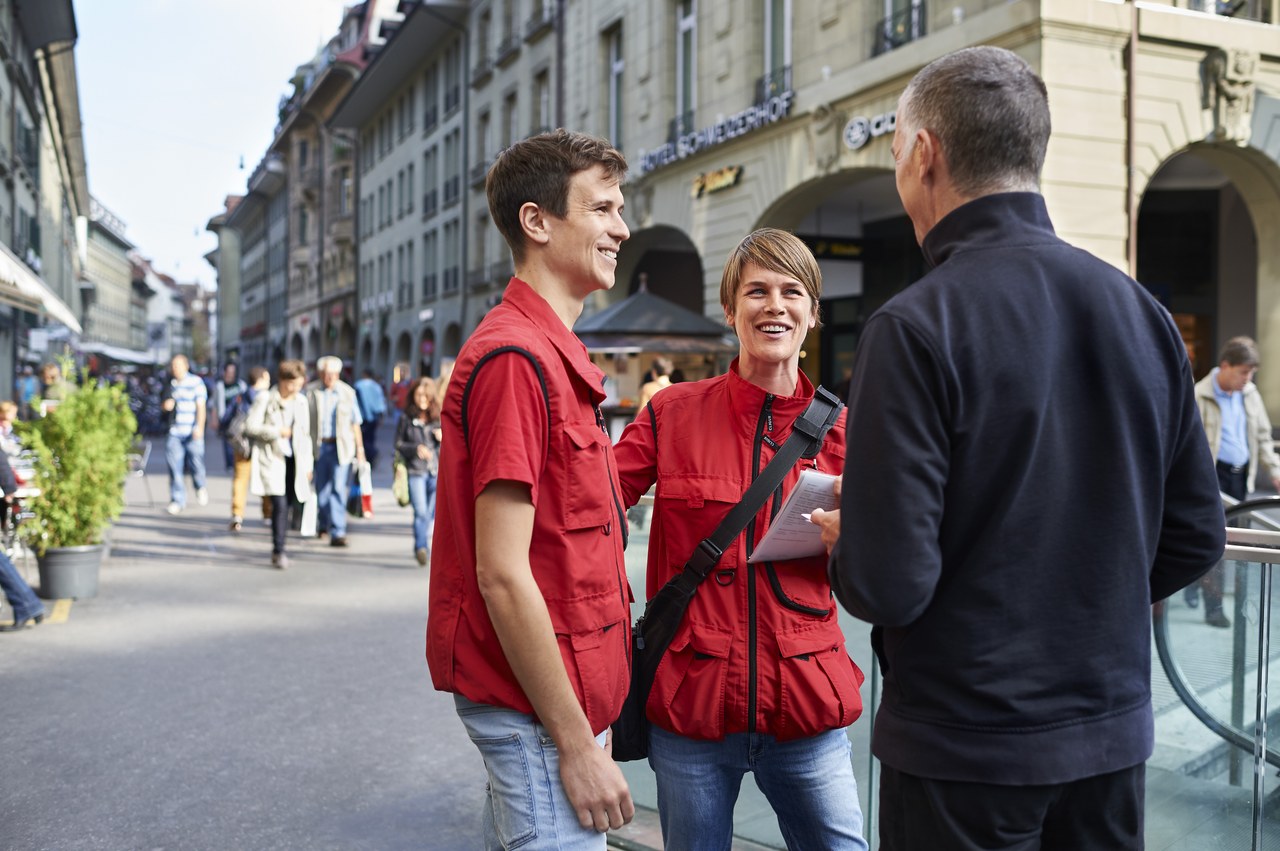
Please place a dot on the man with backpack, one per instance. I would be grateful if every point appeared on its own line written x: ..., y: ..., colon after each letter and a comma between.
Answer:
x: 237, y: 442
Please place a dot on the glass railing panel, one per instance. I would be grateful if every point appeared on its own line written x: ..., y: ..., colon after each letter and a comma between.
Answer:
x: 1203, y: 782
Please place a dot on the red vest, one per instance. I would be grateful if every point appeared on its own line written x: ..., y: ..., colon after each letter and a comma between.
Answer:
x: 536, y: 421
x: 760, y: 649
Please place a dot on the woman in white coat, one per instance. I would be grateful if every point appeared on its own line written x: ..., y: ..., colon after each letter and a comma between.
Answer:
x: 279, y: 424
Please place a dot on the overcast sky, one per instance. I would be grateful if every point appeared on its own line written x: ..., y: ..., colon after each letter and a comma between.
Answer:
x: 173, y: 93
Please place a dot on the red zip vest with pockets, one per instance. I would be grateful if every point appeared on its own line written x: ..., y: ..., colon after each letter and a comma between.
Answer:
x: 522, y: 405
x: 760, y: 649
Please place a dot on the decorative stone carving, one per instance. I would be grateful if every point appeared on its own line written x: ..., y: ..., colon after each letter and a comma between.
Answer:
x: 824, y: 136
x: 1228, y: 78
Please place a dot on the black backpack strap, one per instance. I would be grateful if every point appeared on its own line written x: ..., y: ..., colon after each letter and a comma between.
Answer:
x: 502, y: 350
x: 807, y: 434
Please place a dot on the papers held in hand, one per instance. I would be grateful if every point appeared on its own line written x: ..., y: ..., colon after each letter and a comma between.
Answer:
x: 792, y: 535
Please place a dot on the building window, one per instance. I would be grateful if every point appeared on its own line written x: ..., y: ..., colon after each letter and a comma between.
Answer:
x: 302, y: 225
x: 616, y: 66
x: 904, y: 22
x: 408, y: 195
x: 430, y: 99
x: 777, y: 35
x: 509, y: 120
x: 686, y: 63
x: 542, y: 102
x: 303, y: 151
x: 400, y: 194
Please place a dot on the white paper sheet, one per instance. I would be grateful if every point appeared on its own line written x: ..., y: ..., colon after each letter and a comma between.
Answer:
x: 792, y: 535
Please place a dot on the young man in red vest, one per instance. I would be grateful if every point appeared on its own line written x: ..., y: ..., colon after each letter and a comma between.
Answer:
x: 529, y: 622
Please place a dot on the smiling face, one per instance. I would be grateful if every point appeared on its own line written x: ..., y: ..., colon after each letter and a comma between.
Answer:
x: 772, y: 313
x: 582, y: 249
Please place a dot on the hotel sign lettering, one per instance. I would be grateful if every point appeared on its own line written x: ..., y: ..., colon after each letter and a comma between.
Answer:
x: 769, y: 111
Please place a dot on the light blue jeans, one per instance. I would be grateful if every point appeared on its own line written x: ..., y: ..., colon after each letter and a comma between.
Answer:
x: 331, y: 490
x: 808, y: 782
x: 525, y: 805
x: 422, y: 496
x: 181, y: 453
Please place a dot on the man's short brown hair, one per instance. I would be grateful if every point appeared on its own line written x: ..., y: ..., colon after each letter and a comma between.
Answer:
x: 538, y: 170
x: 291, y: 369
x: 1240, y: 351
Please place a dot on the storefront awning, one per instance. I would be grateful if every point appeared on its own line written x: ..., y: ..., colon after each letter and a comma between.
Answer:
x: 20, y: 287
x: 118, y: 353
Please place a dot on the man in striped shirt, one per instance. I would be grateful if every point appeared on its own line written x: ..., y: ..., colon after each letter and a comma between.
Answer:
x: 185, y: 399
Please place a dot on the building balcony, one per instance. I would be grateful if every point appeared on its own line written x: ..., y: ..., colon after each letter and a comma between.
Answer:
x: 477, y: 174
x: 300, y: 255
x: 430, y: 118
x: 450, y: 280
x: 343, y: 229
x: 430, y: 287
x: 541, y: 22
x: 452, y: 98
x: 481, y: 71
x: 309, y: 179
x: 773, y: 84
x: 508, y: 49
x: 430, y: 203
x: 903, y: 27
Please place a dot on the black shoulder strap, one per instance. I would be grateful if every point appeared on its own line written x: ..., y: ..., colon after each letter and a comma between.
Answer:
x: 466, y: 391
x: 807, y: 434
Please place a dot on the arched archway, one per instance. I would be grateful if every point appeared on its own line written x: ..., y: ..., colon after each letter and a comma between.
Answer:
x: 346, y: 344
x: 669, y: 264
x: 366, y: 354
x: 382, y: 361
x: 854, y: 223
x: 452, y: 340
x: 426, y: 353
x: 1204, y: 222
x: 295, y: 346
x: 313, y: 347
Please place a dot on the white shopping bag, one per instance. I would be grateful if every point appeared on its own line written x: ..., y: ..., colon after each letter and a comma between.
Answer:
x: 366, y: 489
x: 309, y: 509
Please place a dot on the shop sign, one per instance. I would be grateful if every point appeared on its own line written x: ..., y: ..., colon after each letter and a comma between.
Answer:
x: 860, y: 130
x: 716, y: 181
x: 770, y: 111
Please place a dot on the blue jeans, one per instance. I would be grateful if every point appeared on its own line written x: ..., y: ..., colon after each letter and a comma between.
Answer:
x: 331, y: 489
x: 808, y: 782
x: 16, y: 590
x: 422, y: 496
x: 525, y: 805
x: 184, y: 453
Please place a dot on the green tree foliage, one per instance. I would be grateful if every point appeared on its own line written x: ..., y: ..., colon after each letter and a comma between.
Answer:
x: 81, y: 450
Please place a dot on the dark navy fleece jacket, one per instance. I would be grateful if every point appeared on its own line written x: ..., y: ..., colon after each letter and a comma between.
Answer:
x: 1026, y: 474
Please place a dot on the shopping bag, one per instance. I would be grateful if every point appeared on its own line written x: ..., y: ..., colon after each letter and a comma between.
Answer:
x: 365, y: 480
x: 400, y: 483
x: 309, y: 510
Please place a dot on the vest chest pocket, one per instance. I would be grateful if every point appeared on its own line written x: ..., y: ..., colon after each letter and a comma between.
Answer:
x: 587, y: 480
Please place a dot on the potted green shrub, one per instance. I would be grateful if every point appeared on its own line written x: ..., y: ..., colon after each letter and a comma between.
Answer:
x: 80, y: 450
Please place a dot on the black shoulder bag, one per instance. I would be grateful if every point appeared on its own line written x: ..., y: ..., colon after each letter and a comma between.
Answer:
x: 657, y: 627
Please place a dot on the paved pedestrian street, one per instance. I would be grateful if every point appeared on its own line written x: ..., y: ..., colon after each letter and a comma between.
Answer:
x: 204, y: 700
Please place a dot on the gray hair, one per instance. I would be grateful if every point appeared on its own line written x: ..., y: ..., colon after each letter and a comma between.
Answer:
x: 990, y: 112
x: 329, y: 363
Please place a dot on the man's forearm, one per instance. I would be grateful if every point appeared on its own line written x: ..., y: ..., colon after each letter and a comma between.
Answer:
x: 520, y: 618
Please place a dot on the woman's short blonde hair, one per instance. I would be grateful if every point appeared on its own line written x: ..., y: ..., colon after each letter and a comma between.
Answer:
x: 777, y: 251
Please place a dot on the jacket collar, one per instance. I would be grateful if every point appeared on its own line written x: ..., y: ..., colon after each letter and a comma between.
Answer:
x: 523, y: 298
x: 1001, y: 220
x: 748, y: 400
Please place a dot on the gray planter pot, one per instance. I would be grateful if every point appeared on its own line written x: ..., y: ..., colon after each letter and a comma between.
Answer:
x: 70, y: 572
